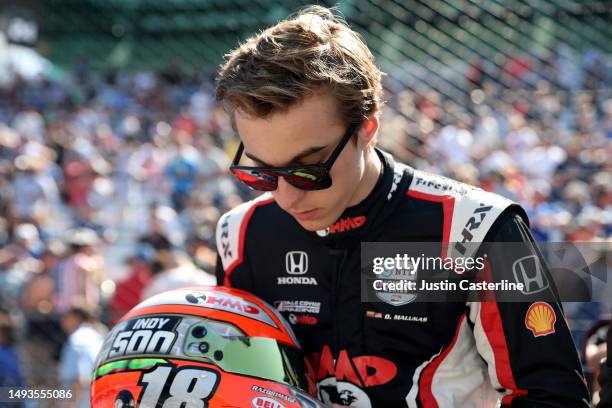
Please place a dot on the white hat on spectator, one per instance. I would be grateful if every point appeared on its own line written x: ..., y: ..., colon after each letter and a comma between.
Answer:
x: 25, y: 162
x: 8, y: 137
x: 26, y: 232
x: 577, y: 191
x: 82, y: 237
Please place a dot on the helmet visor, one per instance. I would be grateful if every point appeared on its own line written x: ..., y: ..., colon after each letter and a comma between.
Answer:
x: 220, y: 343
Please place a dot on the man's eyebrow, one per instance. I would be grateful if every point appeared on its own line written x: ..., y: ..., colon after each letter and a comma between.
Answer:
x: 299, y: 156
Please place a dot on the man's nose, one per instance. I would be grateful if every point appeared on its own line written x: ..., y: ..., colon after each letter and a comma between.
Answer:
x: 286, y: 195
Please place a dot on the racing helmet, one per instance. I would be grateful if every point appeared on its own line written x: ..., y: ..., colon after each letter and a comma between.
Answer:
x: 202, y: 347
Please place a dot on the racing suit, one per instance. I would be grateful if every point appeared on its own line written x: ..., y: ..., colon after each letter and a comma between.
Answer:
x: 416, y: 354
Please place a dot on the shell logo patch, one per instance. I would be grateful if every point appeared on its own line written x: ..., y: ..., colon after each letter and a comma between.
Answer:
x: 540, y: 319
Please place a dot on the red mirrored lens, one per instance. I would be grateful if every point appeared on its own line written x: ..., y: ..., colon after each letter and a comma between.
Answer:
x: 308, y: 179
x: 267, y: 180
x: 257, y: 180
x: 301, y: 182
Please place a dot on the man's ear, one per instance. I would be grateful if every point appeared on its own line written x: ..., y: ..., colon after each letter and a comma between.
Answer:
x: 369, y: 128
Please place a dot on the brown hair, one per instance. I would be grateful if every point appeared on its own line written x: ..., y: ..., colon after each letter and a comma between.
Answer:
x: 312, y: 51
x: 84, y: 311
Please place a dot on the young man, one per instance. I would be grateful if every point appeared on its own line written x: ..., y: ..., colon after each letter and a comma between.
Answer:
x: 304, y: 97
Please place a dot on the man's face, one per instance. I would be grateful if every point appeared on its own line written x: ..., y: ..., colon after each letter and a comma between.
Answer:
x: 306, y: 134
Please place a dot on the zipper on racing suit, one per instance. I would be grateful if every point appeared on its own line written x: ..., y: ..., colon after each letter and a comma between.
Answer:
x: 339, y: 256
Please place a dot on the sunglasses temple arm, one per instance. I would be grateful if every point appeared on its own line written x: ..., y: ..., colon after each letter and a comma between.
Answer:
x: 238, y: 154
x: 349, y: 133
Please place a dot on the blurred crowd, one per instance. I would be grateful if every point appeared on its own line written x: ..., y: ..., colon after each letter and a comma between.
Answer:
x: 111, y: 183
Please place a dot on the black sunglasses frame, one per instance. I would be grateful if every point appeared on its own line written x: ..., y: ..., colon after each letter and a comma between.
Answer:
x: 324, y: 181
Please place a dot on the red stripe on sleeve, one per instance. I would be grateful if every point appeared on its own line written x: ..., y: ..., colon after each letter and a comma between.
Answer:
x: 492, y: 326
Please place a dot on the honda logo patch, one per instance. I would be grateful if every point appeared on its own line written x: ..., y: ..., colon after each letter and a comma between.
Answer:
x: 528, y: 271
x: 296, y: 262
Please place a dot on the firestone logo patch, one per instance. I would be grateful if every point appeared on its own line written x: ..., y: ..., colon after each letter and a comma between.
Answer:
x: 440, y: 183
x: 343, y: 225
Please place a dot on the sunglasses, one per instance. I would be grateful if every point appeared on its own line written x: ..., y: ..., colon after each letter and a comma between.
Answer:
x: 304, y: 177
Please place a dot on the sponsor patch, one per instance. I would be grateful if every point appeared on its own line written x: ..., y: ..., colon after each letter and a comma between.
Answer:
x: 302, y: 319
x: 345, y: 379
x: 296, y: 280
x: 211, y: 300
x: 471, y: 225
x: 298, y: 306
x: 266, y: 402
x: 439, y: 183
x: 226, y: 251
x: 343, y: 225
x: 540, y: 319
x: 528, y: 271
x: 399, y: 297
x: 296, y: 262
x: 397, y: 177
x: 272, y: 393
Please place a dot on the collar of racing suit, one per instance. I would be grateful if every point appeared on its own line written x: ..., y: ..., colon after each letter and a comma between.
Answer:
x: 357, y: 221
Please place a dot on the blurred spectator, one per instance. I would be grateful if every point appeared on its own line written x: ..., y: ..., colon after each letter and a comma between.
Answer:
x: 43, y: 338
x: 129, y: 291
x: 454, y: 142
x: 28, y: 241
x: 85, y: 338
x: 30, y: 124
x: 80, y: 274
x: 202, y: 255
x: 179, y: 271
x: 28, y: 191
x: 79, y: 178
x: 163, y: 229
x: 10, y: 369
x: 182, y: 172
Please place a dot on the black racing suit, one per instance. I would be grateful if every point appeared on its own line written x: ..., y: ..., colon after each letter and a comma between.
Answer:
x: 417, y: 354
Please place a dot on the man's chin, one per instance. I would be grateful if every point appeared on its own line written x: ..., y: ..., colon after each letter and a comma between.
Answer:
x: 316, y: 221
x: 312, y: 225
